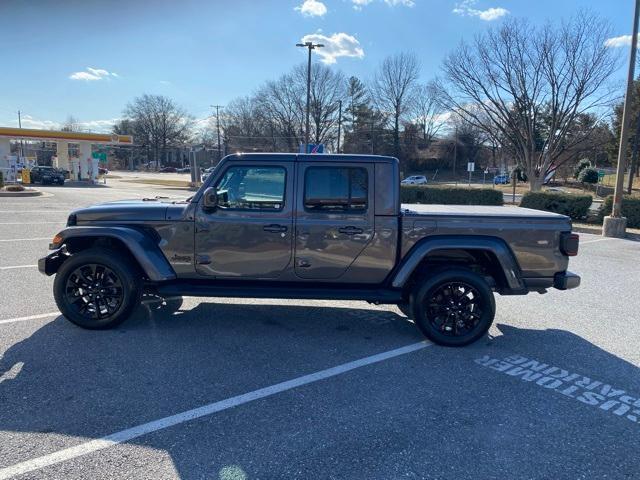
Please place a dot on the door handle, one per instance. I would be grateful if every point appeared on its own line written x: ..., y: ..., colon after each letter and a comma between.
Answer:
x: 274, y: 228
x: 350, y: 230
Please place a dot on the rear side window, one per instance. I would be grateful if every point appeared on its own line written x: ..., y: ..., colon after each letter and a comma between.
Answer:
x: 335, y: 189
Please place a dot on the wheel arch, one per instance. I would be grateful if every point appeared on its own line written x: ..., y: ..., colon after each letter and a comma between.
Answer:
x: 491, y: 254
x: 135, y: 243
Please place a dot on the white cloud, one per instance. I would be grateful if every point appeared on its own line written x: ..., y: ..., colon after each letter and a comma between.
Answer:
x: 621, y: 41
x: 312, y: 8
x: 358, y: 4
x: 467, y: 8
x: 93, y: 74
x: 97, y: 126
x: 335, y: 46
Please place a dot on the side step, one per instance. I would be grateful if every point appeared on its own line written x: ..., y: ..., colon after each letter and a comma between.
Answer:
x: 206, y: 289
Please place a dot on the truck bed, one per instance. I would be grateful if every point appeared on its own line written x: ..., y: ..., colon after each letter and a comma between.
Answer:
x: 479, y: 211
x: 532, y: 235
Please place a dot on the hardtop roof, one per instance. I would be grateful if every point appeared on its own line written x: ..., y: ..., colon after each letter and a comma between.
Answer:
x: 320, y: 157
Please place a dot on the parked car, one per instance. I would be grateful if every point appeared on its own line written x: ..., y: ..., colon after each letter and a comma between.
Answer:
x: 184, y: 170
x: 501, y: 179
x: 102, y: 171
x: 415, y: 180
x: 168, y: 170
x: 206, y: 173
x: 309, y: 227
x: 47, y: 175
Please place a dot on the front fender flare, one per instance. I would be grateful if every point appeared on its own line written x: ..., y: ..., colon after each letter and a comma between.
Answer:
x: 497, y: 246
x: 144, y: 249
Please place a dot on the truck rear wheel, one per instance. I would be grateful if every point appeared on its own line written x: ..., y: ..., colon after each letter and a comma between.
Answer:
x: 97, y: 289
x: 454, y: 307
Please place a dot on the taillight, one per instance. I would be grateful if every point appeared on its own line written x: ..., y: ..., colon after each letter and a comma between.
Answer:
x: 569, y: 243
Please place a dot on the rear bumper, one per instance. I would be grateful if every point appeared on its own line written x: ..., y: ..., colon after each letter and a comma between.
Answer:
x: 566, y: 281
x: 51, y: 263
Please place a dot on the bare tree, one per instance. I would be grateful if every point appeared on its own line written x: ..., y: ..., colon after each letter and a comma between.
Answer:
x: 281, y: 101
x: 427, y: 112
x: 517, y: 74
x: 161, y: 122
x: 393, y: 89
x: 328, y: 87
x: 71, y: 124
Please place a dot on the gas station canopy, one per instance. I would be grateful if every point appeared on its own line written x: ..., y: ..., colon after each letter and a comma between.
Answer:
x: 70, y: 137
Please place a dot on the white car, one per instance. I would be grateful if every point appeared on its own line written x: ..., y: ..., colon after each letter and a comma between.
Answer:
x: 415, y: 180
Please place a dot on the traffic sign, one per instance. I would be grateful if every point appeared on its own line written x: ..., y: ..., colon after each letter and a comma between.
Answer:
x: 102, y: 156
x: 471, y: 167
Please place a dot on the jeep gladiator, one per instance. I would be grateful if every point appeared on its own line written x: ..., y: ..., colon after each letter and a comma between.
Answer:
x: 309, y: 227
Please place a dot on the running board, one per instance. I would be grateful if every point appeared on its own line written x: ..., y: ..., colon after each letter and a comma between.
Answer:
x: 193, y: 289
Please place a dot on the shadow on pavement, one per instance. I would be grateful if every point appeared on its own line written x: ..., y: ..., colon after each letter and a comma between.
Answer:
x: 439, y: 413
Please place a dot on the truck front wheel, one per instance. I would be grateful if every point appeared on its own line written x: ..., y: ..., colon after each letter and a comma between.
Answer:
x: 97, y: 289
x: 454, y: 307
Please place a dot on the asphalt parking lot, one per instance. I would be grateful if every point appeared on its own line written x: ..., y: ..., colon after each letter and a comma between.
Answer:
x: 247, y: 389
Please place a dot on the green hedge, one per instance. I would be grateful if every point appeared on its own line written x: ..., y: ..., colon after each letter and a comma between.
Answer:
x: 630, y: 209
x: 450, y: 195
x: 575, y: 206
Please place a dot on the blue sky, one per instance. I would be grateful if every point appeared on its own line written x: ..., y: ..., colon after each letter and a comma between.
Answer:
x: 88, y: 58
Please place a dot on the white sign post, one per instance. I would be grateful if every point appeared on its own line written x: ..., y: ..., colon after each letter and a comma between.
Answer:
x: 471, y: 166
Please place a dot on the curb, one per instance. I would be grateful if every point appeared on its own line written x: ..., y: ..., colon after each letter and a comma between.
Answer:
x: 32, y: 193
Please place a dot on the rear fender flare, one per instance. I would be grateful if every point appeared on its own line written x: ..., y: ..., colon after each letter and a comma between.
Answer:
x: 496, y: 246
x: 142, y: 248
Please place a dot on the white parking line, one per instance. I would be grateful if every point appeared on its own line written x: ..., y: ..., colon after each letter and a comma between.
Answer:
x: 597, y: 240
x: 166, y: 422
x: 31, y: 317
x: 32, y: 223
x: 34, y: 211
x: 17, y: 266
x: 24, y: 239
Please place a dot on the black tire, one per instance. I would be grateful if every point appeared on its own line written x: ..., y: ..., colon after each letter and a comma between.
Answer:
x: 454, y: 307
x: 101, y: 305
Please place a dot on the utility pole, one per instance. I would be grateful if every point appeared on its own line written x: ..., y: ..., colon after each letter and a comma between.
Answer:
x: 310, y: 46
x: 615, y: 225
x: 21, y: 141
x: 218, y: 107
x: 372, y: 144
x: 455, y: 150
x: 339, y: 123
x: 634, y: 156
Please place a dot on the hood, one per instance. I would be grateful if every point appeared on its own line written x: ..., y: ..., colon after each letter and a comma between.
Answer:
x: 124, y: 210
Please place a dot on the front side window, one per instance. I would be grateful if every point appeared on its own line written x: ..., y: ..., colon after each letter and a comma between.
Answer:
x: 252, y: 188
x: 335, y: 189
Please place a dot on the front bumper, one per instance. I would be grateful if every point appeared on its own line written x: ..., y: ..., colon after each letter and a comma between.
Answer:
x: 51, y: 263
x: 566, y: 281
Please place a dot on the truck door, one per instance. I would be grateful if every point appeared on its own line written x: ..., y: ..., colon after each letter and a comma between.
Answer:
x: 250, y: 233
x: 334, y: 217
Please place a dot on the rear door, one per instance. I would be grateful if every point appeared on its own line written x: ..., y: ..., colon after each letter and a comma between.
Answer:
x: 334, y: 217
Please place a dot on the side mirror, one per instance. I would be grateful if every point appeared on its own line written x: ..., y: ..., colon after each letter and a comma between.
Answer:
x: 210, y: 199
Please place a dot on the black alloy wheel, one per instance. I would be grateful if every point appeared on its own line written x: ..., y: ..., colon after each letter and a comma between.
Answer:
x: 455, y: 308
x: 94, y: 291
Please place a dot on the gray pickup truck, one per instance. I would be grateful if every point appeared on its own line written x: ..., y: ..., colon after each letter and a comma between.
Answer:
x: 309, y: 227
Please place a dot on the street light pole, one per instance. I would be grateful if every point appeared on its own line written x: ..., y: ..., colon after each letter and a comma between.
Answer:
x: 218, y: 107
x: 310, y: 46
x: 615, y: 225
x: 339, y: 123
